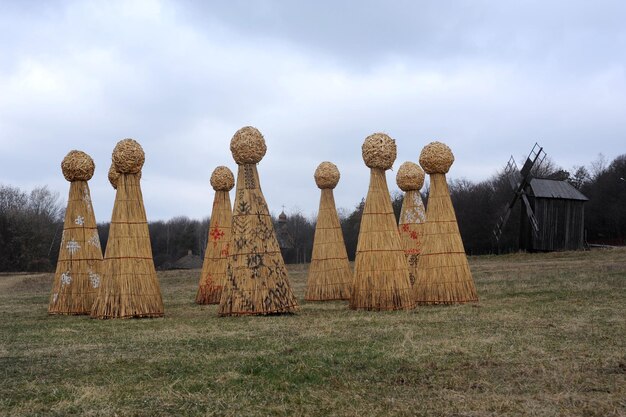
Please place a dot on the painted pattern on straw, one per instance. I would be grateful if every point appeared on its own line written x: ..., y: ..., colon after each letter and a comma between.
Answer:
x: 72, y: 292
x: 215, y: 265
x: 410, y: 178
x: 257, y: 281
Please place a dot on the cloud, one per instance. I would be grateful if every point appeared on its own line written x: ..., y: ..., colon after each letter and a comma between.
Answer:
x: 316, y: 78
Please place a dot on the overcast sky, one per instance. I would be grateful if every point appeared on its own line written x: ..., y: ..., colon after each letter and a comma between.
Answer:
x: 489, y: 78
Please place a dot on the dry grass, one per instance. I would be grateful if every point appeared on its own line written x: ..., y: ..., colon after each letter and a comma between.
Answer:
x: 548, y: 338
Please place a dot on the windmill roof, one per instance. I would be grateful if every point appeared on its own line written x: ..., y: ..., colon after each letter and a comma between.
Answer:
x: 544, y: 188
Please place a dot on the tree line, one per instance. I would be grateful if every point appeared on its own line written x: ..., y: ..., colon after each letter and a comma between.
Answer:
x: 31, y: 223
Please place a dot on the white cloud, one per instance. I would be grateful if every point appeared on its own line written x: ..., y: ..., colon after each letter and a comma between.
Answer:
x: 489, y: 81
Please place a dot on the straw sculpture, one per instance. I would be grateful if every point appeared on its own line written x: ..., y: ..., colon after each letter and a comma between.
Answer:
x: 79, y: 267
x: 257, y: 281
x: 129, y: 286
x: 443, y: 274
x: 410, y: 178
x: 114, y: 176
x: 215, y: 263
x: 381, y: 275
x: 329, y: 273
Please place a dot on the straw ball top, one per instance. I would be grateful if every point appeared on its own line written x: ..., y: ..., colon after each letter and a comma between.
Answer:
x: 379, y: 151
x: 436, y: 158
x: 326, y: 175
x: 114, y: 176
x: 128, y: 156
x: 410, y: 177
x: 248, y: 146
x: 77, y: 166
x: 222, y: 179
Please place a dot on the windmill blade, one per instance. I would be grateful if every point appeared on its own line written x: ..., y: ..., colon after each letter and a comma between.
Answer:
x: 535, y: 157
x: 512, y: 173
x: 499, y: 229
x: 531, y: 215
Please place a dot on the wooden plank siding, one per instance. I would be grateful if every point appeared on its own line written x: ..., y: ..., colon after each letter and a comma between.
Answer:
x: 561, y: 225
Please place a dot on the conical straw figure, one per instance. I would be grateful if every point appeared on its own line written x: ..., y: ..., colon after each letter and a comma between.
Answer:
x: 257, y: 281
x: 381, y: 275
x: 410, y: 178
x: 129, y: 285
x: 79, y: 266
x: 443, y: 274
x: 215, y: 264
x: 330, y: 276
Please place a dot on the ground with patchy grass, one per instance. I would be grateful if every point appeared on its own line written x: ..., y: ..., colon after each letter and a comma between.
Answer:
x: 548, y: 338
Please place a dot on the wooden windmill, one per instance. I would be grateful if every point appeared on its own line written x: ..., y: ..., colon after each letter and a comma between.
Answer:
x: 552, y: 213
x: 519, y: 181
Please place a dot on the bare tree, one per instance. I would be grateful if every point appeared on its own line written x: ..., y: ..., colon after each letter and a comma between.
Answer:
x: 29, y: 229
x: 598, y: 167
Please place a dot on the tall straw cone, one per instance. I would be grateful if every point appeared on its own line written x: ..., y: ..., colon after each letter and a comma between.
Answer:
x: 443, y: 273
x: 381, y: 275
x: 79, y: 266
x: 329, y: 273
x: 213, y: 276
x: 129, y: 285
x: 257, y: 282
x: 410, y: 179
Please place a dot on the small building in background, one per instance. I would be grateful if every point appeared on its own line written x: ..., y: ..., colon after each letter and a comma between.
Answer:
x: 189, y: 261
x: 285, y: 240
x: 560, y: 212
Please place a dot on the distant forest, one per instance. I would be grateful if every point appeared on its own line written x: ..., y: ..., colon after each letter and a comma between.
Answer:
x: 31, y: 223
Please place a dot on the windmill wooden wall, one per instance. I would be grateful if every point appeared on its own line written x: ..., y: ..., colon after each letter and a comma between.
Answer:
x: 560, y: 212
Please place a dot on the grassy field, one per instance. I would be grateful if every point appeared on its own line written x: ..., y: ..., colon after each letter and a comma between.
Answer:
x: 547, y: 339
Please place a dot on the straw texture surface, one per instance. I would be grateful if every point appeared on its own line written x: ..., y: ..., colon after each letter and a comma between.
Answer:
x: 257, y: 282
x: 248, y: 146
x: 379, y: 151
x: 129, y: 286
x: 128, y: 156
x: 213, y: 276
x: 436, y: 158
x: 79, y: 267
x: 77, y: 166
x: 381, y: 275
x: 113, y: 176
x: 326, y: 175
x: 410, y: 177
x: 411, y: 227
x: 330, y: 276
x: 222, y: 179
x: 443, y: 274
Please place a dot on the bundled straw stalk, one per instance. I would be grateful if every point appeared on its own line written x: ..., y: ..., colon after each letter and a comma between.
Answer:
x: 257, y: 282
x: 215, y: 263
x: 443, y: 274
x: 381, y: 275
x: 410, y: 179
x: 79, y: 267
x: 129, y: 285
x: 329, y: 273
